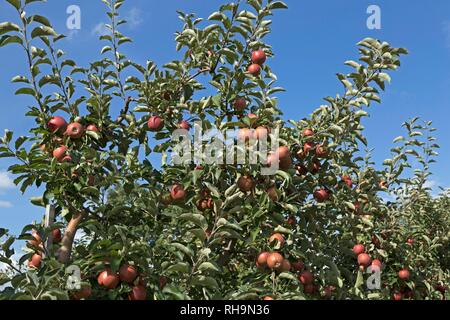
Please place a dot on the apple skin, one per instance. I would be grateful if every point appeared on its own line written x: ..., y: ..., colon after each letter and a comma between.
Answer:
x: 306, y: 277
x: 240, y: 104
x: 285, y: 266
x: 93, y: 128
x: 254, y: 69
x: 321, y: 195
x: 184, y: 124
x: 177, y: 192
x: 377, y: 263
x: 321, y: 151
x: 246, y: 183
x: 348, y: 181
x: 128, y: 273
x: 37, y: 239
x: 397, y: 296
x: 75, y: 130
x: 268, y: 298
x: 261, y: 133
x: 308, y: 146
x: 35, y: 261
x: 155, y: 123
x: 272, y: 193
x: 138, y: 293
x: 108, y: 279
x: 84, y: 293
x: 298, y: 266
x: 261, y: 260
x: 163, y: 282
x: 57, y: 124
x: 308, y: 132
x: 259, y: 57
x: 60, y: 153
x: 56, y: 235
x: 277, y: 238
x: 358, y: 249
x: 364, y: 259
x: 275, y: 261
x: 404, y: 274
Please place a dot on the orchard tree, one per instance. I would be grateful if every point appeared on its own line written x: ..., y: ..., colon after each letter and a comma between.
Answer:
x: 139, y: 230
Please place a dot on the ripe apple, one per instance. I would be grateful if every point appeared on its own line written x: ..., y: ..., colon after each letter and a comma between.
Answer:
x: 321, y: 151
x: 364, y: 259
x: 410, y: 241
x: 240, y: 104
x: 278, y: 239
x: 60, y: 153
x: 376, y: 242
x: 268, y: 298
x: 155, y: 123
x: 321, y: 195
x: 377, y: 263
x: 261, y: 260
x: 275, y: 261
x: 252, y: 116
x: 328, y: 291
x: 92, y: 128
x: 308, y: 132
x: 37, y: 239
x: 177, y: 192
x: 84, y: 293
x: 315, y: 166
x: 108, y: 279
x: 272, y: 193
x: 138, y: 293
x: 35, y: 261
x: 298, y: 266
x: 292, y: 221
x: 348, y: 181
x: 246, y: 183
x: 254, y: 69
x: 205, y: 204
x: 308, y: 146
x: 56, y: 235
x: 184, y: 124
x: 358, y: 249
x: 397, y: 296
x: 57, y: 125
x: 75, y: 130
x: 127, y: 273
x: 404, y: 274
x: 306, y: 277
x: 259, y: 57
x: 309, y: 288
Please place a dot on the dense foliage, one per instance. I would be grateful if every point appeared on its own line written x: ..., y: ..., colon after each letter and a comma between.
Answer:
x: 197, y: 231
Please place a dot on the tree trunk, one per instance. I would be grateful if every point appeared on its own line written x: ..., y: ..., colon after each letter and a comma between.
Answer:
x: 67, y: 242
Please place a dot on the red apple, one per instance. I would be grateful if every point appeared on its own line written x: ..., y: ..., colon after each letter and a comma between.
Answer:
x: 321, y: 151
x: 184, y: 124
x: 177, y: 192
x: 404, y: 274
x: 35, y: 261
x: 377, y: 263
x: 240, y: 104
x: 306, y: 277
x: 155, y: 123
x: 397, y: 296
x: 285, y: 266
x: 364, y: 259
x: 358, y: 249
x: 261, y: 133
x: 261, y: 260
x: 275, y: 261
x: 347, y: 180
x: 57, y: 125
x: 108, y: 279
x: 254, y: 69
x: 321, y: 195
x: 138, y: 293
x: 75, y: 130
x: 278, y: 239
x: 308, y: 133
x: 84, y: 293
x: 56, y: 235
x: 308, y: 146
x: 163, y: 282
x: 60, y: 153
x: 127, y: 273
x: 93, y: 128
x: 37, y: 239
x: 259, y: 57
x: 246, y: 183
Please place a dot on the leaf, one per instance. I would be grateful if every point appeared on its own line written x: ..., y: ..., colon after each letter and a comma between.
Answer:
x: 359, y: 279
x: 187, y: 251
x: 8, y: 27
x: 14, y: 3
x: 29, y: 91
x: 208, y: 266
x: 5, y: 40
x: 43, y: 31
x: 179, y: 267
x: 277, y: 5
x: 204, y: 281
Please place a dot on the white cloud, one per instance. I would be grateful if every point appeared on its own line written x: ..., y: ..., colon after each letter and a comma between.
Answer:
x: 100, y: 29
x: 5, y: 181
x: 134, y: 17
x: 5, y: 204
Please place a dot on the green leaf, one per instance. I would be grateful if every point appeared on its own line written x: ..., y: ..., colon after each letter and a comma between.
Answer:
x: 5, y: 40
x: 179, y: 267
x: 208, y: 266
x: 8, y: 27
x: 43, y: 31
x: 204, y: 281
x: 29, y: 91
x: 277, y: 5
x: 14, y: 3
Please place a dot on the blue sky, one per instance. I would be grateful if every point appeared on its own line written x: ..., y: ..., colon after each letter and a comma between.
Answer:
x: 311, y: 41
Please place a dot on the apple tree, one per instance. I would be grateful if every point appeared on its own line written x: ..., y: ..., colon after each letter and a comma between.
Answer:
x: 127, y: 227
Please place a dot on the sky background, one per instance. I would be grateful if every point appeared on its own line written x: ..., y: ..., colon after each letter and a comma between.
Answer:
x: 311, y: 41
